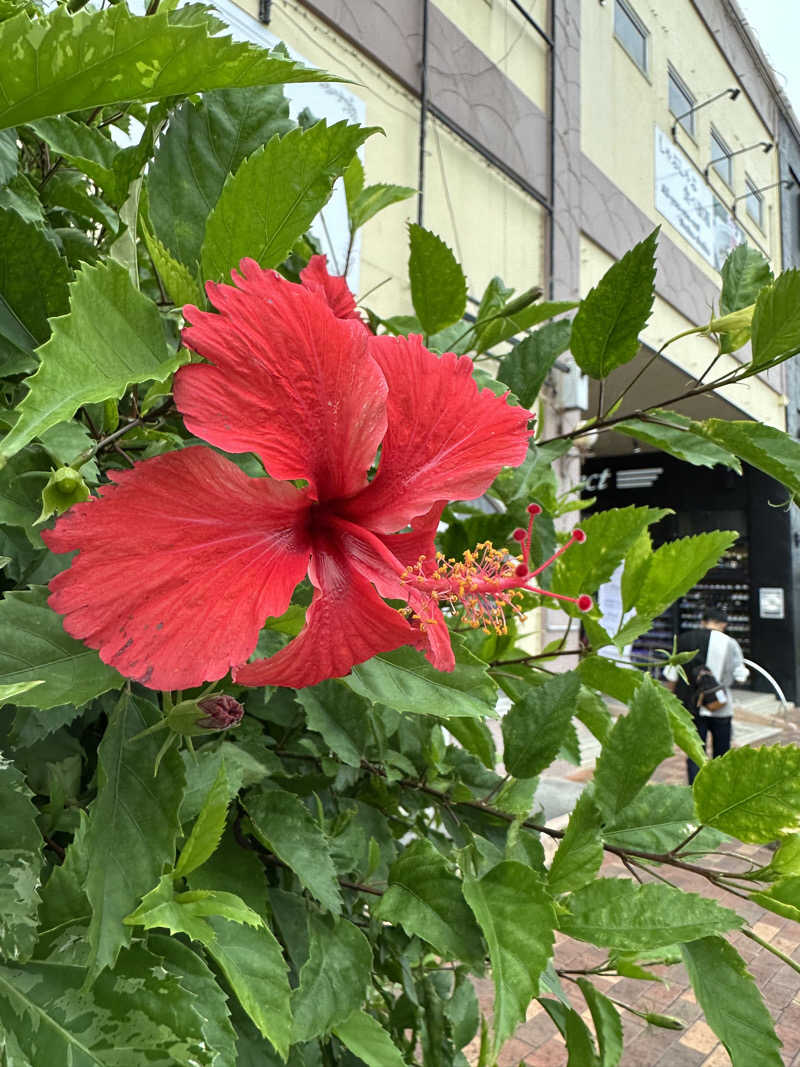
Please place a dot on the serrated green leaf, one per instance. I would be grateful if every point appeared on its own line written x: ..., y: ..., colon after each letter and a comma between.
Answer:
x: 71, y: 62
x: 405, y: 681
x: 9, y: 692
x: 751, y: 793
x: 580, y: 1047
x: 607, y: 1024
x: 615, y: 681
x: 744, y: 274
x: 776, y: 321
x: 111, y: 338
x: 637, y: 564
x: 517, y: 917
x: 334, y: 979
x: 133, y: 825
x: 375, y: 198
x: 535, y: 727
x: 684, y: 731
x: 438, y: 285
x: 678, y: 439
x: 64, y: 903
x: 605, y: 331
x: 17, y: 343
x: 772, y: 451
x: 609, y: 535
x: 732, y: 1003
x: 34, y: 647
x: 425, y: 898
x: 580, y: 851
x: 208, y: 827
x: 232, y: 869
x: 272, y: 198
x: 353, y: 181
x: 341, y: 716
x: 206, y: 141
x: 591, y: 710
x: 57, y: 1021
x: 33, y: 275
x: 20, y: 865
x: 527, y: 365
x: 636, y: 745
x: 782, y: 898
x: 179, y: 283
x: 9, y: 155
x: 83, y: 146
x: 476, y: 737
x: 285, y: 826
x: 658, y: 820
x: 618, y: 913
x: 366, y: 1038
x: 509, y: 323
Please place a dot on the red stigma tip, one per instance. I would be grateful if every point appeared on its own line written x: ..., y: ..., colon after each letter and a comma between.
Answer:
x: 534, y: 509
x: 519, y: 534
x: 584, y: 602
x: 579, y: 536
x: 521, y: 570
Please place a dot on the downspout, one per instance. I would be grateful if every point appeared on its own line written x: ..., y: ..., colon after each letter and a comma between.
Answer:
x: 423, y: 113
x: 551, y: 236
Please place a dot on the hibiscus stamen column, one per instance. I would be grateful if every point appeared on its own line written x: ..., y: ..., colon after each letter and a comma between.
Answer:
x: 487, y: 580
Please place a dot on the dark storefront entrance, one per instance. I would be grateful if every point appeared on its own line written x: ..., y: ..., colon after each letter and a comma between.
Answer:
x: 753, y: 580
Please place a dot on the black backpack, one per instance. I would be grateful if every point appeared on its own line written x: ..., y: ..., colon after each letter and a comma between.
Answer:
x: 704, y: 689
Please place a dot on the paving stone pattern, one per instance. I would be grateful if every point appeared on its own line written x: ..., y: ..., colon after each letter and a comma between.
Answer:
x: 537, y: 1042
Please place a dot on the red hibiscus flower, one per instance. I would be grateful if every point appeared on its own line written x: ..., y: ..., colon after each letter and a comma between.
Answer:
x: 182, y: 559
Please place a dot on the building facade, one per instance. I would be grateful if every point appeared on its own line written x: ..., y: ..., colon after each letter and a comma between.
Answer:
x: 545, y: 138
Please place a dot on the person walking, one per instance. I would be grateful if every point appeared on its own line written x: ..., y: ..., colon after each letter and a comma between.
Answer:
x: 721, y: 655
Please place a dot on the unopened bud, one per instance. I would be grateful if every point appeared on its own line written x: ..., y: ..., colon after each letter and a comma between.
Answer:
x: 666, y: 1022
x: 209, y: 714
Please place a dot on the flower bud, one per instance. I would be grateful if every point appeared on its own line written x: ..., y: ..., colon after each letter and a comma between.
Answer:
x: 207, y: 715
x: 666, y: 1022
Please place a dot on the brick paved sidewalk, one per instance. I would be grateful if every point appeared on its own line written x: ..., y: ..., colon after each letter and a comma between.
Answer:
x: 537, y: 1043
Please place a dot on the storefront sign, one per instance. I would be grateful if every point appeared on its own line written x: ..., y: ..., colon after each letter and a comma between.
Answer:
x: 771, y: 603
x: 684, y: 198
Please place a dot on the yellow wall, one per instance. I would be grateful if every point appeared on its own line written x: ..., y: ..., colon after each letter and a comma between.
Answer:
x: 620, y: 107
x: 693, y: 354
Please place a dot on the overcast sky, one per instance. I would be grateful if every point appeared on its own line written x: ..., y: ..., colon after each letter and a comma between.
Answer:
x: 777, y: 27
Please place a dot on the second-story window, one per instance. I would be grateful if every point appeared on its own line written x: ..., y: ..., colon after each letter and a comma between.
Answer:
x: 631, y: 33
x: 721, y: 158
x: 754, y: 202
x: 681, y: 101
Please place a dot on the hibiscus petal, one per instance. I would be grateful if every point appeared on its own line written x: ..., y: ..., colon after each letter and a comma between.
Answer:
x: 286, y: 379
x: 179, y: 564
x: 332, y: 287
x: 445, y: 439
x: 346, y: 623
x: 418, y: 542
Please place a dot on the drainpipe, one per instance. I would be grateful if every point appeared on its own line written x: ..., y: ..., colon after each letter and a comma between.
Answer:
x: 423, y: 112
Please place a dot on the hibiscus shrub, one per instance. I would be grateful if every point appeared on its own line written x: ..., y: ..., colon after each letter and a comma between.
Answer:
x: 252, y: 809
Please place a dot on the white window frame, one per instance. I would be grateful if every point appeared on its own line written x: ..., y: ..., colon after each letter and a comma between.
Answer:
x: 753, y: 196
x: 687, y: 122
x: 623, y: 7
x: 721, y: 158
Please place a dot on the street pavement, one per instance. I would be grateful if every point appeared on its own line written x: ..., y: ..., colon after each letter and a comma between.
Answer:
x: 537, y: 1042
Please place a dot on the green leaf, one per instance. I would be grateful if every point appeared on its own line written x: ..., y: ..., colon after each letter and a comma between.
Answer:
x: 34, y: 647
x: 20, y: 865
x: 527, y: 365
x: 772, y: 451
x: 405, y: 681
x: 609, y: 535
x: 510, y: 322
x: 283, y: 823
x: 517, y: 917
x: 353, y: 181
x: 674, y: 568
x: 33, y: 277
x: 476, y: 737
x: 82, y: 146
x: 206, y: 141
x: 272, y: 198
x: 782, y: 898
x: 425, y: 898
x: 751, y: 793
x: 744, y: 274
x: 607, y: 1024
x: 340, y: 716
x: 375, y: 198
x: 684, y: 731
x: 9, y: 155
x: 133, y: 825
x: 334, y: 979
x: 580, y: 851
x: 535, y: 728
x: 208, y: 827
x: 658, y: 820
x: 366, y: 1038
x: 438, y: 285
x: 70, y: 62
x: 678, y: 438
x: 636, y: 745
x: 179, y: 283
x: 617, y: 682
x: 605, y: 331
x: 776, y: 321
x: 111, y: 338
x: 618, y: 913
x: 56, y: 1020
x: 732, y: 1003
x: 17, y: 343
x: 592, y: 711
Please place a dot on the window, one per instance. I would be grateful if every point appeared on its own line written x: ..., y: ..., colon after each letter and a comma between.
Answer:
x: 681, y: 101
x: 721, y: 158
x: 631, y: 33
x: 754, y: 202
